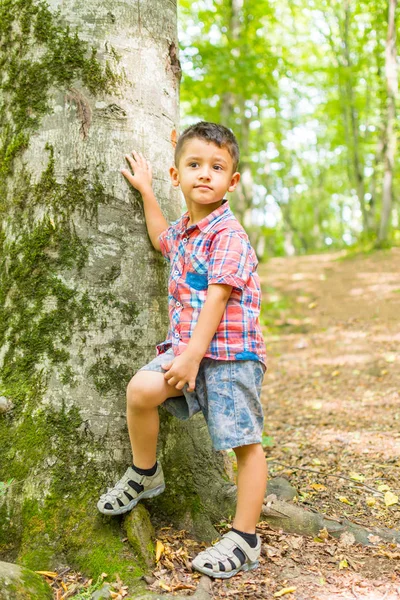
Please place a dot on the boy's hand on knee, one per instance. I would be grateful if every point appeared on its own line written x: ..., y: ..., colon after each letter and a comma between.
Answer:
x: 183, y: 369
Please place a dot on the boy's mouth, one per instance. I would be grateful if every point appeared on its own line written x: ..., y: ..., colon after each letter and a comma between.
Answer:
x: 203, y: 187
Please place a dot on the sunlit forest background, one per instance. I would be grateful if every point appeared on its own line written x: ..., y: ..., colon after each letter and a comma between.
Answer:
x: 310, y: 89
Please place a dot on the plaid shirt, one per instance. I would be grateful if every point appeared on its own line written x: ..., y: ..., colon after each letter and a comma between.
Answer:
x: 214, y: 250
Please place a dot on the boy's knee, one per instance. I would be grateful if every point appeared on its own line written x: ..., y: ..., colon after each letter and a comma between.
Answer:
x: 136, y: 393
x: 142, y: 392
x: 249, y: 450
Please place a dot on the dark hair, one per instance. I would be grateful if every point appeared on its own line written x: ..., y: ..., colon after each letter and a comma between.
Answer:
x: 210, y: 132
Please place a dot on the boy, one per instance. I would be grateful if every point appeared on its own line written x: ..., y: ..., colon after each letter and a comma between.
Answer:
x: 214, y: 356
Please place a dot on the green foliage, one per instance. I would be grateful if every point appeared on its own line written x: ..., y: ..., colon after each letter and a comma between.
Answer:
x: 303, y: 86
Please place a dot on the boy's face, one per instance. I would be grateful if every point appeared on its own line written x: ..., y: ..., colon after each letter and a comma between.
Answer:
x: 204, y: 173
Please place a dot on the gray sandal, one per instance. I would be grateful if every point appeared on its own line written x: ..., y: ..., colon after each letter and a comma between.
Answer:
x: 220, y: 560
x: 131, y: 488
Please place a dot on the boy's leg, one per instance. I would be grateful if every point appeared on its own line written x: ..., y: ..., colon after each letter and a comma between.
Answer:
x: 146, y: 391
x: 239, y: 549
x: 251, y: 485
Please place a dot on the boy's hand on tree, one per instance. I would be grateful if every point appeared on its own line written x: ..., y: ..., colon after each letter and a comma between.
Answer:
x: 141, y: 176
x: 183, y: 369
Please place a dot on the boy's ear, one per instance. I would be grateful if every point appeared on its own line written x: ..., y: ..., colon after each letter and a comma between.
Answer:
x: 174, y: 174
x: 234, y: 181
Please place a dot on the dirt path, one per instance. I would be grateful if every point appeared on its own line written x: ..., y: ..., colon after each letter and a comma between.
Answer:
x: 331, y: 399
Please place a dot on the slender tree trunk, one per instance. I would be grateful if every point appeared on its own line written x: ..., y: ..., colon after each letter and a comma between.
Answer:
x: 228, y: 99
x: 354, y: 124
x: 390, y: 134
x: 82, y: 292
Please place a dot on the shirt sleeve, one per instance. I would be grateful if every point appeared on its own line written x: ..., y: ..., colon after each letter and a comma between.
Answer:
x: 165, y: 238
x: 232, y: 260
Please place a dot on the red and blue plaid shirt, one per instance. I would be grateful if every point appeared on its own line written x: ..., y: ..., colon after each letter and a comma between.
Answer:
x: 214, y: 250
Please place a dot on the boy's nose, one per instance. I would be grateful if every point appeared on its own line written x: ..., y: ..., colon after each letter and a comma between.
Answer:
x: 204, y: 174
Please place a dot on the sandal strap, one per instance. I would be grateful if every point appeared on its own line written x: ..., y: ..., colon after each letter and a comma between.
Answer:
x: 122, y: 486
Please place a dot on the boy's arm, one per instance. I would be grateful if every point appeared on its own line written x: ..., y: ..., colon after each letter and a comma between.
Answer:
x: 183, y: 369
x: 141, y: 181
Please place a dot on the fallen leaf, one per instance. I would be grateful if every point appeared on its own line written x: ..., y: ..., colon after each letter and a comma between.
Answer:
x: 160, y: 549
x: 370, y: 501
x: 323, y: 534
x: 374, y: 539
x: 357, y: 477
x: 345, y: 500
x: 383, y: 487
x: 50, y: 574
x: 391, y: 499
x: 183, y: 586
x: 164, y: 586
x: 343, y: 564
x: 318, y: 487
x: 284, y: 591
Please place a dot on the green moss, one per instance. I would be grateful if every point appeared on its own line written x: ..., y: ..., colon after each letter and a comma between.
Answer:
x: 65, y: 523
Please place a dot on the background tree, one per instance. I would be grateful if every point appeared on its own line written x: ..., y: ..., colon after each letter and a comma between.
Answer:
x: 82, y: 293
x: 304, y: 88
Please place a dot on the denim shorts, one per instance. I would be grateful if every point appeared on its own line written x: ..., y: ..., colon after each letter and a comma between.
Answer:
x: 228, y: 394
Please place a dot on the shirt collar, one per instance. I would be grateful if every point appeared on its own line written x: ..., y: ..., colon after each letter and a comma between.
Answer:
x: 208, y: 221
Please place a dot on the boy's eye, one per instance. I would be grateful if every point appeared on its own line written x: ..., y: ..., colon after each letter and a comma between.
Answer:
x: 193, y: 164
x: 218, y: 167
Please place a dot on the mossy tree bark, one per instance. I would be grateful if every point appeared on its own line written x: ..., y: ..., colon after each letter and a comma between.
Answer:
x: 82, y: 292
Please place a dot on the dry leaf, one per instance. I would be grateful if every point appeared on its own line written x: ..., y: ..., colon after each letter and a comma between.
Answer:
x: 323, y: 534
x: 391, y: 499
x: 343, y: 564
x: 164, y: 586
x: 383, y: 487
x: 357, y: 477
x: 318, y: 487
x: 370, y: 501
x: 374, y: 539
x: 284, y: 591
x: 160, y: 549
x: 50, y: 574
x: 345, y: 500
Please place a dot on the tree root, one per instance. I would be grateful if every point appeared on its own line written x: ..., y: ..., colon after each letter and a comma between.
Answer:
x: 296, y: 519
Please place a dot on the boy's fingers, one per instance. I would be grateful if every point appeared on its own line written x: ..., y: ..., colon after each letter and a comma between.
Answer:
x: 167, y: 366
x: 130, y: 159
x: 127, y: 175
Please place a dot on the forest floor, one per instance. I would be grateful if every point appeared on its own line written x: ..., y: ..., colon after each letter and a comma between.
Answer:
x: 331, y: 396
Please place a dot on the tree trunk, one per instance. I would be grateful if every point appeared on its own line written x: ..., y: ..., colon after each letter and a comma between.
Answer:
x: 354, y: 122
x: 390, y: 134
x: 82, y: 292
